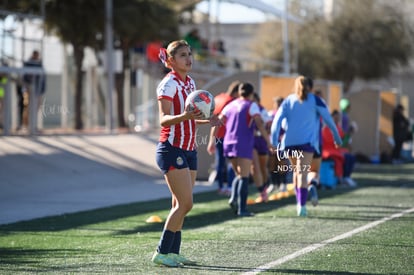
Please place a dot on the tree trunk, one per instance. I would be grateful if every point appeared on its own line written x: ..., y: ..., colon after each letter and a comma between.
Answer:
x: 119, y: 86
x: 347, y: 84
x: 119, y: 82
x: 78, y: 53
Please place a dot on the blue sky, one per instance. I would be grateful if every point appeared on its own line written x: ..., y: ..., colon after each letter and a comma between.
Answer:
x: 235, y: 13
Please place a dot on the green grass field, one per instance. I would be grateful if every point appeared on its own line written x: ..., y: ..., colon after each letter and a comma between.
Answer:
x: 117, y: 240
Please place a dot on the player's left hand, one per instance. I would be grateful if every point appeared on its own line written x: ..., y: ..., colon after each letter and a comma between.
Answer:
x: 271, y: 148
x: 195, y: 114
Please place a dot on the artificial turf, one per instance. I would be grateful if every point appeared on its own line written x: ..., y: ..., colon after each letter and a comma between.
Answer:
x: 117, y: 240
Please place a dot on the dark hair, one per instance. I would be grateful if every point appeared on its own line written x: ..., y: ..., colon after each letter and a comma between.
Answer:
x: 233, y: 89
x: 309, y: 82
x: 335, y: 113
x: 278, y: 100
x: 256, y: 97
x: 246, y: 89
x: 318, y: 93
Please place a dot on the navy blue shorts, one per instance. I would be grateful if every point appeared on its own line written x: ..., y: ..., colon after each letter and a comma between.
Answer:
x: 261, y: 146
x: 296, y: 149
x: 317, y: 155
x: 170, y: 157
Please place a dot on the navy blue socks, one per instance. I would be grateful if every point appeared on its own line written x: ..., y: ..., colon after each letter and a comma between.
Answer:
x: 170, y: 242
x: 176, y: 243
x: 166, y: 242
x: 243, y: 193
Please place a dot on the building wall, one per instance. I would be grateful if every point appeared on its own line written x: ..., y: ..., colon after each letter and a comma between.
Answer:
x: 388, y: 103
x: 400, y: 82
x: 365, y: 110
x: 237, y: 39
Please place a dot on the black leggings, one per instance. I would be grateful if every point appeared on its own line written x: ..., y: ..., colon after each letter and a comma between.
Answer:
x: 396, y: 151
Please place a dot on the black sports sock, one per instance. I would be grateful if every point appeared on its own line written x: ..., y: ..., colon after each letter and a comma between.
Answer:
x: 176, y: 243
x: 243, y: 193
x: 166, y: 242
x: 234, y: 189
x: 261, y: 188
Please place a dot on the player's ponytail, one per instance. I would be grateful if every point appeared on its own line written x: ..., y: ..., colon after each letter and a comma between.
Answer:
x: 301, y: 88
x: 246, y: 89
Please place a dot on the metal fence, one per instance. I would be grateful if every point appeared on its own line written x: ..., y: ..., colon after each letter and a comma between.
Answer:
x: 55, y: 110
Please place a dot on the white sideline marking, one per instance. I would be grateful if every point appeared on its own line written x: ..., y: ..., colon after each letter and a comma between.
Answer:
x: 315, y: 246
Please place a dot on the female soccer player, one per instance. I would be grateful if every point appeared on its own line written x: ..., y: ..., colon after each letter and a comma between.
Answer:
x: 238, y: 143
x: 176, y: 153
x: 302, y: 110
x: 261, y: 154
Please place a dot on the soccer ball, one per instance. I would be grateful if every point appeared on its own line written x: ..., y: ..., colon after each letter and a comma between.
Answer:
x: 200, y: 100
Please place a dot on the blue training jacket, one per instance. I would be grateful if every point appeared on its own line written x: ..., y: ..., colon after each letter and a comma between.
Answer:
x: 303, y: 120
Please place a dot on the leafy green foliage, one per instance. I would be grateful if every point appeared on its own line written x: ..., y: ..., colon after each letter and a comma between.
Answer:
x: 81, y: 23
x: 23, y: 7
x: 144, y: 20
x: 76, y: 22
x: 367, y: 39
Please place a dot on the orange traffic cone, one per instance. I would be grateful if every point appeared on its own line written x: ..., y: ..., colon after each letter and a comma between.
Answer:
x: 153, y: 219
x: 274, y: 197
x: 250, y: 201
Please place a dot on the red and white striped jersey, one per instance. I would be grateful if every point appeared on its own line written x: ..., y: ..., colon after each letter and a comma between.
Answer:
x: 173, y: 88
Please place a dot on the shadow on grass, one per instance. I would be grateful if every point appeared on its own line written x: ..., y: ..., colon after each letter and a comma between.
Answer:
x: 385, y: 175
x: 202, y: 218
x: 83, y: 218
x: 19, y: 255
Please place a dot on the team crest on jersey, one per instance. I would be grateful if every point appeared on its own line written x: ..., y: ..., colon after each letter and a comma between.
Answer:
x: 180, y: 161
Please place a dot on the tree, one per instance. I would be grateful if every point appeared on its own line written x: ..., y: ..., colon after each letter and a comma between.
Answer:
x: 78, y: 22
x: 367, y: 39
x: 140, y: 21
x: 137, y: 20
x: 268, y: 47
